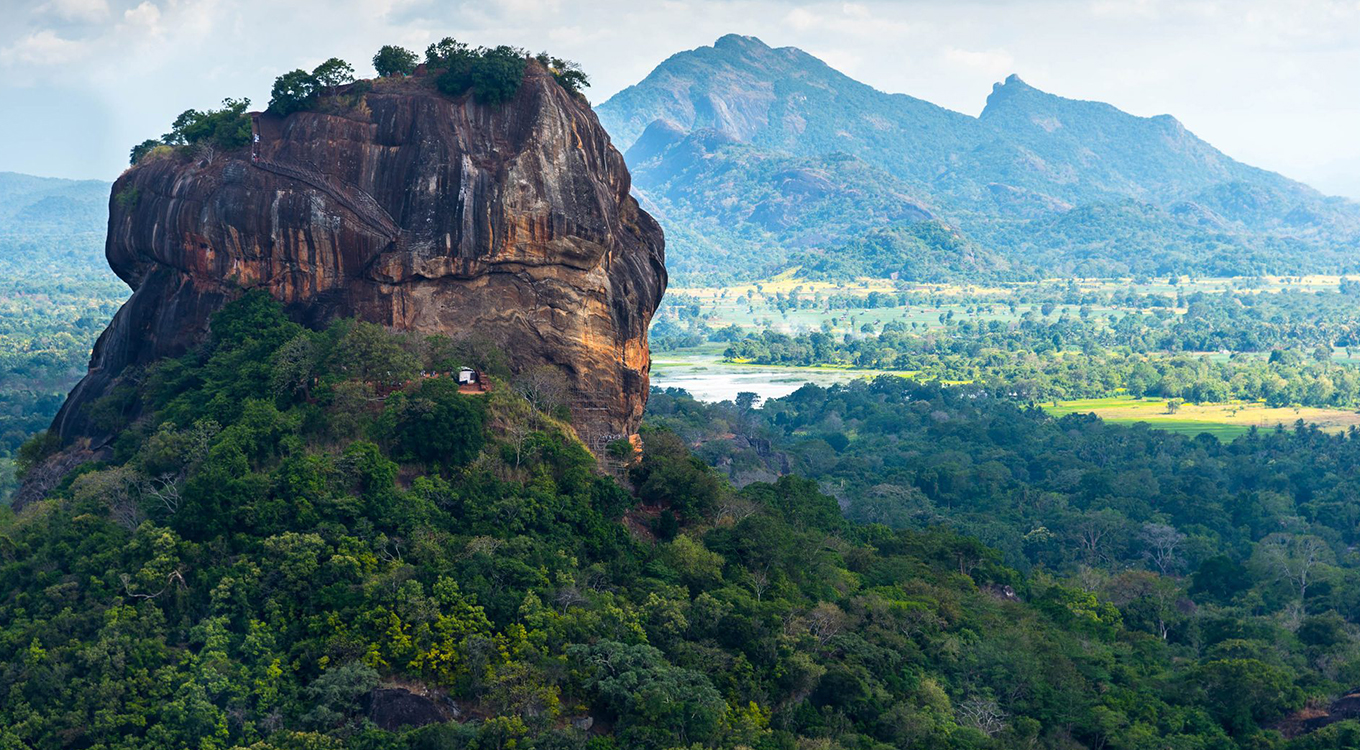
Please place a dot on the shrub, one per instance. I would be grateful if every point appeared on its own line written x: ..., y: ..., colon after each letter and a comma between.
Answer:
x: 567, y: 73
x: 127, y: 197
x: 142, y: 149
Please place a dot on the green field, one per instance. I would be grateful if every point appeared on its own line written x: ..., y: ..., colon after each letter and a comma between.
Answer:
x: 1224, y: 421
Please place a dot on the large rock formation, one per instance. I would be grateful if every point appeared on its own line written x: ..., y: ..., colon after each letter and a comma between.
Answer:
x: 413, y: 210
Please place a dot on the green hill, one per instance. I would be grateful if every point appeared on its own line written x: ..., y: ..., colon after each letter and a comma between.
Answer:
x: 1003, y: 178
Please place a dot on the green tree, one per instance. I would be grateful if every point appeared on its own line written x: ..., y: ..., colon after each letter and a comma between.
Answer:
x: 1244, y: 693
x: 657, y: 704
x: 226, y: 128
x: 668, y: 475
x: 293, y: 91
x: 568, y: 74
x: 142, y: 149
x: 439, y: 425
x: 445, y: 52
x: 492, y: 75
x: 333, y: 73
x: 392, y: 60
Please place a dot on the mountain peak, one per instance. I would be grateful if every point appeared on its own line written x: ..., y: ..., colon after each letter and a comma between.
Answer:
x: 740, y: 43
x: 1010, y: 87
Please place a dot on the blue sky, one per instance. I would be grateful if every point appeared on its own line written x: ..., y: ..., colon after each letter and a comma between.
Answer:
x: 1275, y: 83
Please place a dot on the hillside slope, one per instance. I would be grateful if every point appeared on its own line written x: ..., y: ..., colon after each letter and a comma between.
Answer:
x: 1029, y: 157
x: 320, y: 566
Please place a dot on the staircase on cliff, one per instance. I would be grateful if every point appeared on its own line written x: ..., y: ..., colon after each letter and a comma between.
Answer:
x: 355, y: 200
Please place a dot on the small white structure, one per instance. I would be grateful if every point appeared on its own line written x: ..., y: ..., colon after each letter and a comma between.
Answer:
x: 467, y: 376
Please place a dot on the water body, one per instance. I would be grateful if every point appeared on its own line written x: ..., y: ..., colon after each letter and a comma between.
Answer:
x: 707, y: 378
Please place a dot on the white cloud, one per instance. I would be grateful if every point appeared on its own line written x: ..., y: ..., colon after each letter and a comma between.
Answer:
x: 1127, y: 9
x: 993, y: 62
x: 848, y: 19
x: 803, y: 19
x: 146, y: 17
x: 1268, y: 81
x: 42, y: 48
x: 85, y: 11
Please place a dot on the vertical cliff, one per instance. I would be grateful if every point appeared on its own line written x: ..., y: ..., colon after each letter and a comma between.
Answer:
x: 413, y: 210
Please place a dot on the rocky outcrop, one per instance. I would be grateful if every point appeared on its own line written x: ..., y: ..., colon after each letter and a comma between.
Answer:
x: 410, y: 209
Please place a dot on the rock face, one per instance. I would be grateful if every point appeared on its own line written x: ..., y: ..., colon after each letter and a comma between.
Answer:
x: 412, y: 210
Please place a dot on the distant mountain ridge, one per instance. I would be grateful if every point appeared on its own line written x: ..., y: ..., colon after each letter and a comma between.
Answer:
x: 711, y: 135
x: 49, y: 205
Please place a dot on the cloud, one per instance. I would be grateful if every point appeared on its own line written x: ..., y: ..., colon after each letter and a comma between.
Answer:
x: 802, y: 19
x: 993, y: 62
x: 849, y: 19
x: 1127, y: 9
x: 1267, y: 81
x: 84, y: 11
x: 146, y: 17
x: 42, y: 48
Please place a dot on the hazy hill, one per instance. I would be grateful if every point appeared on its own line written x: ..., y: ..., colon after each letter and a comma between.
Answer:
x: 1003, y: 178
x: 44, y: 205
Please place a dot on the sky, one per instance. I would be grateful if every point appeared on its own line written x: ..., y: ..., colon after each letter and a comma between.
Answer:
x: 1274, y: 83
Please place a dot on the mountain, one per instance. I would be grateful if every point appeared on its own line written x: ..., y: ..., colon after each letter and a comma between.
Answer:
x: 765, y: 204
x: 397, y: 205
x: 1001, y: 178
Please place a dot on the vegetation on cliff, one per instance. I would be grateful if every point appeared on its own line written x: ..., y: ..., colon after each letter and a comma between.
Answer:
x: 492, y: 74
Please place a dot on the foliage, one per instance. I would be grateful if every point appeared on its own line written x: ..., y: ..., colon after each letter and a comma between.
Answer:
x: 392, y: 60
x: 293, y: 91
x: 56, y: 295
x: 1142, y: 349
x: 438, y: 425
x: 242, y: 574
x: 227, y: 128
x: 333, y: 73
x: 492, y: 74
x: 567, y: 73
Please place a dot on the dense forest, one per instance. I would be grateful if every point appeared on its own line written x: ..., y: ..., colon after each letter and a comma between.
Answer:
x: 56, y: 295
x: 284, y: 551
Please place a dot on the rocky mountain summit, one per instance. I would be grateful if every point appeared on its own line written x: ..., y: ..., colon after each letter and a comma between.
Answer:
x: 414, y: 210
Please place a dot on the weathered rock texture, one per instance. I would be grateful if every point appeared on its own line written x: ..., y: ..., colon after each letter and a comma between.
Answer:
x: 416, y: 211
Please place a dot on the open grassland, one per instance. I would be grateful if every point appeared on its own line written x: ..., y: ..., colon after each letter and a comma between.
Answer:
x: 1225, y: 421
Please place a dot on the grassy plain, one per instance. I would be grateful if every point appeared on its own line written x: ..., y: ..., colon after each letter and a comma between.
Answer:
x: 1225, y: 420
